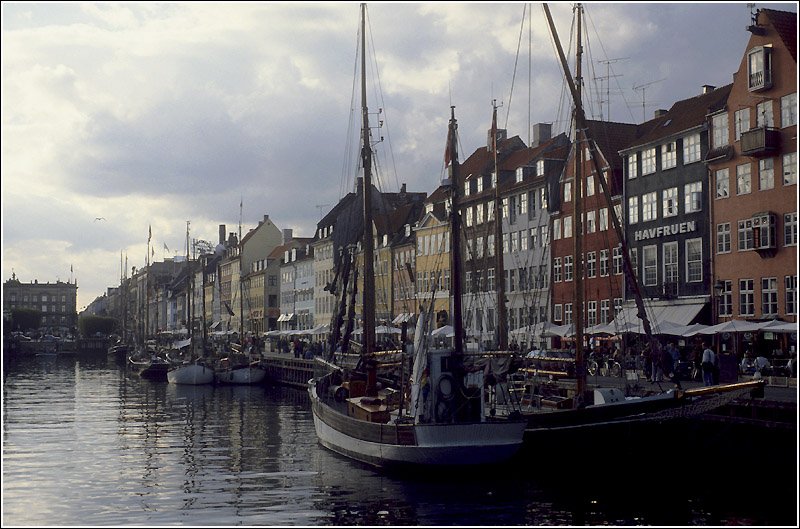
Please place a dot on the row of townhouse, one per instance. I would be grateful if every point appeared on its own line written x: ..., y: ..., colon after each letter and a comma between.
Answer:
x: 705, y: 193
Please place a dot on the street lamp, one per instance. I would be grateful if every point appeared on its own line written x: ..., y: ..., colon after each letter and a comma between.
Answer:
x: 719, y: 287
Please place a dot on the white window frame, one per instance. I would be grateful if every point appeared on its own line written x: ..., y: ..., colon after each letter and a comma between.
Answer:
x: 789, y: 110
x: 769, y: 296
x: 741, y: 122
x: 671, y: 266
x: 694, y: 260
x: 633, y: 172
x: 765, y: 115
x: 790, y: 294
x: 790, y: 229
x: 669, y: 204
x: 744, y: 178
x: 719, y: 130
x: 669, y: 155
x: 649, y: 206
x: 691, y: 148
x: 724, y: 237
x: 789, y: 168
x: 649, y: 161
x: 633, y: 210
x: 604, y: 263
x: 693, y: 197
x: 766, y: 173
x: 722, y: 181
x: 567, y: 227
x: 650, y: 265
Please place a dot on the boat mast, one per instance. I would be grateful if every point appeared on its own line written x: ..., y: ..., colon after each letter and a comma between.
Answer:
x: 189, y: 294
x: 369, y: 276
x: 241, y: 270
x: 577, y: 190
x: 502, y: 319
x: 580, y: 117
x: 455, y: 239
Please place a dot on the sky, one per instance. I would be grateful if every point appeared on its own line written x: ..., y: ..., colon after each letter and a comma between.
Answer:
x: 123, y: 118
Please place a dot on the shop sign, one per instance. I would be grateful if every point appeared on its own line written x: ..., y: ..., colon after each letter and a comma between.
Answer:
x: 661, y: 231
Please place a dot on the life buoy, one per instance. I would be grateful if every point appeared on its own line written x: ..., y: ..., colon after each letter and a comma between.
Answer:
x: 445, y: 387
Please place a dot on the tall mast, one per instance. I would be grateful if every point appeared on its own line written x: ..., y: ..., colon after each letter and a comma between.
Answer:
x: 580, y: 117
x: 366, y: 157
x: 189, y: 294
x: 502, y: 319
x: 455, y: 237
x: 241, y: 271
x: 577, y: 189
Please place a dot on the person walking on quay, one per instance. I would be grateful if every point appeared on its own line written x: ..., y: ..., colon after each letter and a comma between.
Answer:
x: 708, y: 363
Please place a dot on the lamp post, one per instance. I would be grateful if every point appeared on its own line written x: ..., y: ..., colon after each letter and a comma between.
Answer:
x: 719, y: 287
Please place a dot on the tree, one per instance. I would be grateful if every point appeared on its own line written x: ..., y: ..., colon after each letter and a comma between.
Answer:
x: 23, y: 319
x: 91, y: 325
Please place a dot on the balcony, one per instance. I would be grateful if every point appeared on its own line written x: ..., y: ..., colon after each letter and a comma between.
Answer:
x: 760, y: 142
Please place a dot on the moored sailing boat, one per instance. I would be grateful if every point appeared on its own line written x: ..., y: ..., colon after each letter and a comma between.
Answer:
x: 443, y: 423
x: 603, y: 406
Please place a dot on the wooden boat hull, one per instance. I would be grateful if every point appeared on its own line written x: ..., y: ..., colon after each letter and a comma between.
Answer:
x: 151, y: 370
x: 191, y: 374
x: 241, y: 375
x: 390, y: 445
x: 667, y: 406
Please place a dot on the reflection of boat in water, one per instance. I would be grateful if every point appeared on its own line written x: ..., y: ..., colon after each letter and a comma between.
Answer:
x: 443, y: 421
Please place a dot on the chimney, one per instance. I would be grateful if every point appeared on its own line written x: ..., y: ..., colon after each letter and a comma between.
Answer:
x: 541, y: 133
x: 658, y: 113
x: 286, y: 235
x: 222, y: 234
x: 266, y: 218
x: 707, y: 88
x: 403, y: 189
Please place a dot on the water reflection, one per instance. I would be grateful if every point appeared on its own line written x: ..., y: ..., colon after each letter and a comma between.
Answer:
x: 88, y: 443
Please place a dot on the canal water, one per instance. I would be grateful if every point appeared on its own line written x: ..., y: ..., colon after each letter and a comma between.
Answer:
x: 88, y: 443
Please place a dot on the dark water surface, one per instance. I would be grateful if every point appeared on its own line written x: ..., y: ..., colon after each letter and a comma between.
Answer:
x: 86, y: 443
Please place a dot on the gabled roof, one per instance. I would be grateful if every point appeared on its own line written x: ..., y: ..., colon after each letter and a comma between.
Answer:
x: 612, y: 137
x: 785, y: 24
x: 682, y: 116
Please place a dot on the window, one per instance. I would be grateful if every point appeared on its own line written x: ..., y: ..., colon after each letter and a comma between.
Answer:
x: 693, y: 197
x: 590, y: 185
x: 669, y: 155
x: 691, y: 148
x: 568, y: 268
x: 568, y: 226
x: 591, y: 264
x: 479, y: 183
x: 650, y: 264
x: 514, y: 241
x: 789, y: 110
x: 567, y: 191
x: 670, y: 202
x: 741, y: 122
x: 534, y: 238
x: 591, y: 317
x: 545, y: 239
x: 490, y: 211
x: 671, y: 263
x: 603, y: 263
x: 557, y: 270
x: 556, y: 229
x: 790, y: 168
x: 466, y: 188
x: 634, y: 257
x: 617, y: 306
x: 726, y: 299
x: 632, y: 169
x: 603, y: 224
x: 543, y: 198
x: 540, y: 168
x: 633, y: 210
x: 567, y: 313
x: 766, y: 173
x: 522, y: 204
x: 479, y: 247
x: 719, y: 128
x: 494, y: 181
x: 591, y: 226
x: 523, y: 241
x: 759, y: 68
x: 743, y: 180
x: 506, y: 243
x: 468, y: 220
x: 605, y: 311
x: 724, y: 237
x: 504, y: 208
x: 519, y: 175
x: 790, y: 229
x: 769, y: 296
x: 558, y: 313
x: 746, y: 298
x: 764, y: 114
x: 745, y: 235
x: 694, y: 260
x: 489, y: 279
x: 649, y: 161
x: 617, y: 260
x: 790, y: 284
x: 649, y: 206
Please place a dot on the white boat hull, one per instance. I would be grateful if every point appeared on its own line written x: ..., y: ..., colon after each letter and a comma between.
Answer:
x: 430, y: 445
x: 193, y: 374
x: 241, y: 375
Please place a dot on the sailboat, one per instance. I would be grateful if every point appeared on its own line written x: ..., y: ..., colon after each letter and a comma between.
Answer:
x: 602, y: 407
x: 193, y: 370
x: 443, y: 423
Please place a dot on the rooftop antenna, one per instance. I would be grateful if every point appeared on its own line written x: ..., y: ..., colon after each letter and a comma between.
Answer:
x: 608, y: 77
x: 643, y: 87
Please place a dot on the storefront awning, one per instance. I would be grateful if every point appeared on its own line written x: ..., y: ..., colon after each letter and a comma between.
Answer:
x: 402, y: 318
x: 680, y: 314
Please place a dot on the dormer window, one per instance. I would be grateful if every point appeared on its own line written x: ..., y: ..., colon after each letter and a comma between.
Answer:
x: 759, y: 68
x: 480, y: 184
x: 466, y: 188
x: 520, y: 174
x: 540, y: 168
x: 494, y: 180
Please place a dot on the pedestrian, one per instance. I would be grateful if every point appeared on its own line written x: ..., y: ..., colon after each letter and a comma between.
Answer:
x: 707, y: 363
x: 657, y: 361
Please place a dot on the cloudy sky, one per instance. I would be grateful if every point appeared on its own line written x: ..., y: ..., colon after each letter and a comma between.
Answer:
x: 154, y: 114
